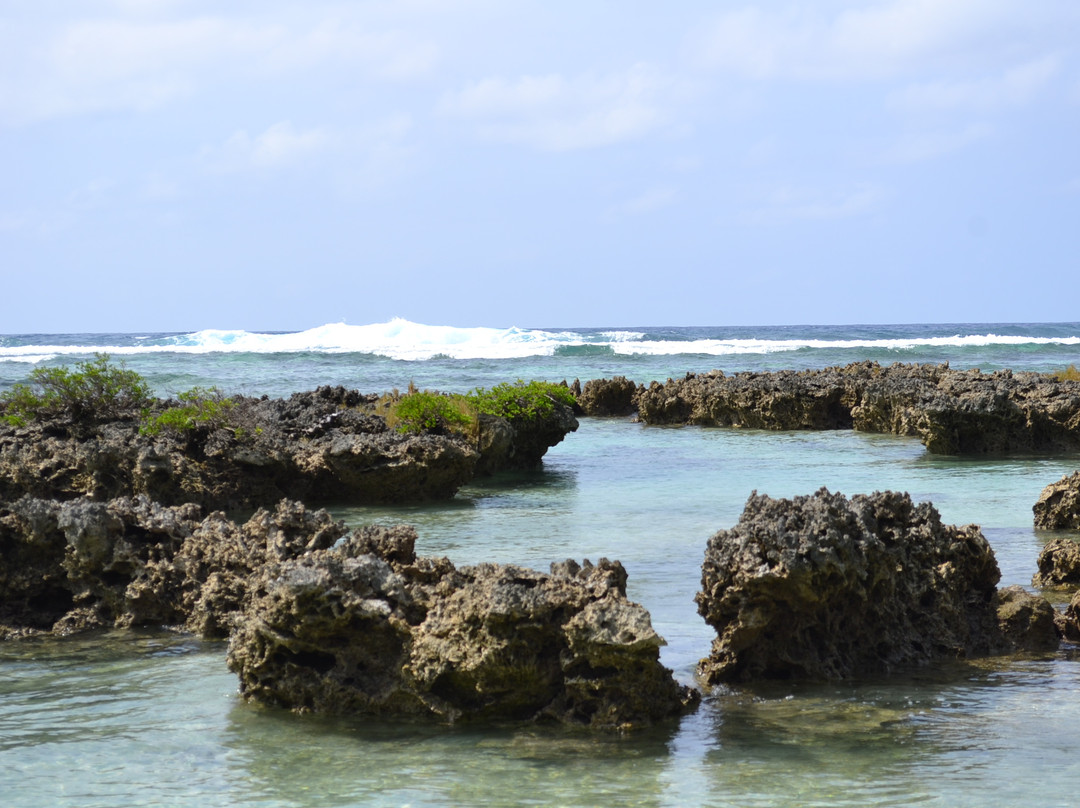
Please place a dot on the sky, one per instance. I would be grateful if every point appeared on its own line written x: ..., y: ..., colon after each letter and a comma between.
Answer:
x: 176, y: 165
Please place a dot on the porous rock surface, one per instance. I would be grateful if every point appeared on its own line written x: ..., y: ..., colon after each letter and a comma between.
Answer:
x: 370, y: 628
x: 1058, y: 564
x: 1058, y: 507
x: 827, y: 587
x: 67, y: 566
x: 950, y: 411
x: 318, y: 447
x: 607, y: 397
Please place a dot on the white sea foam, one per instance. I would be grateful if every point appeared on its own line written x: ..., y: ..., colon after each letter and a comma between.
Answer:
x: 713, y: 347
x: 401, y: 339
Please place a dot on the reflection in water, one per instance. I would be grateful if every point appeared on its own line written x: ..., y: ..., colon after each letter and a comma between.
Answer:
x: 944, y: 736
x: 399, y: 763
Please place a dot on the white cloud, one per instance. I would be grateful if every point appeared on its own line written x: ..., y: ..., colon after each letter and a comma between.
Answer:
x: 921, y: 146
x: 350, y: 158
x: 647, y: 202
x: 789, y: 203
x: 1014, y: 87
x: 278, y: 146
x: 871, y: 40
x: 142, y: 62
x: 555, y: 113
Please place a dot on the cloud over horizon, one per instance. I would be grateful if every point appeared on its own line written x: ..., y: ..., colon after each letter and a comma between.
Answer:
x: 420, y: 140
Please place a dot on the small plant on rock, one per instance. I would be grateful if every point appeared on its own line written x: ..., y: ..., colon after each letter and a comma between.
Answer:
x: 1069, y: 374
x: 93, y: 390
x: 199, y: 407
x: 521, y: 401
x: 426, y: 411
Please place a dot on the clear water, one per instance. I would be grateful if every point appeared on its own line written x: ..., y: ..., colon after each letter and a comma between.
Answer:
x: 152, y: 718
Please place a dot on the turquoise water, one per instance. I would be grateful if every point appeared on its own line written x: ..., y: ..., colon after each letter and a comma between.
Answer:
x: 153, y: 718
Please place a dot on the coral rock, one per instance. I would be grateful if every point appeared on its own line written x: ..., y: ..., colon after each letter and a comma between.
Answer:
x: 826, y: 587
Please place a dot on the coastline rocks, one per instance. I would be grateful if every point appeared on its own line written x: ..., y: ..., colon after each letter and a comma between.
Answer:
x: 826, y: 587
x: 370, y: 628
x: 319, y: 447
x: 1059, y: 564
x: 1026, y: 621
x: 950, y: 411
x: 606, y: 397
x: 1058, y: 507
x: 69, y: 566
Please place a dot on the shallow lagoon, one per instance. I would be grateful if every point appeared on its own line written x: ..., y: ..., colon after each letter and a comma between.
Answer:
x: 153, y: 718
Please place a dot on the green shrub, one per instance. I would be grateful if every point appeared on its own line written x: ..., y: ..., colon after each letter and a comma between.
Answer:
x: 521, y: 401
x: 426, y: 411
x: 1070, y: 374
x: 199, y: 407
x: 94, y: 390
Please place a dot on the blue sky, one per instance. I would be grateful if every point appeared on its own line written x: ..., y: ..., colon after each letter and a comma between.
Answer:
x: 174, y: 165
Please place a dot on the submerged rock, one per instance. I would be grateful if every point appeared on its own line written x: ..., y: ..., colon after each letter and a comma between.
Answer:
x: 950, y: 411
x: 1058, y: 507
x: 826, y: 587
x: 370, y: 628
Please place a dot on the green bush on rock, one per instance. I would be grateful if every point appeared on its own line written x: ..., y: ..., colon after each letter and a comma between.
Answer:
x: 426, y: 411
x: 199, y: 407
x: 521, y: 401
x: 94, y: 390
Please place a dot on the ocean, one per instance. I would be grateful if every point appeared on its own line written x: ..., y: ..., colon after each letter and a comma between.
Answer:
x: 150, y: 717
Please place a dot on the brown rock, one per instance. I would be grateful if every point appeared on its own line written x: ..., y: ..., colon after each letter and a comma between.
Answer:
x: 951, y: 411
x: 603, y: 397
x: 826, y: 587
x: 1058, y: 507
x: 370, y: 628
x: 1027, y: 621
x: 1059, y: 564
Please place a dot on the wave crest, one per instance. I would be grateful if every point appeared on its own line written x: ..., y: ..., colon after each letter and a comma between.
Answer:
x: 405, y: 340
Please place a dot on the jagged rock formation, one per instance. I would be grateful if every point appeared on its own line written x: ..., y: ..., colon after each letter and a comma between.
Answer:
x: 68, y: 566
x: 604, y: 397
x: 1069, y: 621
x: 1058, y: 507
x: 365, y: 627
x: 1026, y: 621
x: 951, y: 411
x: 370, y: 628
x: 322, y: 446
x: 1058, y: 564
x: 826, y: 587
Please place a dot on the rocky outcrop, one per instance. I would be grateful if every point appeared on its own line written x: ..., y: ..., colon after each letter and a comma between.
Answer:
x: 365, y: 627
x: 826, y: 587
x: 1058, y: 564
x: 1026, y: 621
x: 951, y: 411
x: 606, y: 397
x: 1069, y: 620
x: 1058, y: 507
x: 68, y: 566
x: 370, y: 628
x: 318, y: 447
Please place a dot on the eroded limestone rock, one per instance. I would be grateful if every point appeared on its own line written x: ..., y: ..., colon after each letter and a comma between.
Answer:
x: 603, y: 397
x: 318, y: 447
x: 826, y: 587
x: 67, y: 566
x: 370, y: 628
x: 950, y: 411
x: 1058, y: 507
x: 1059, y: 564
